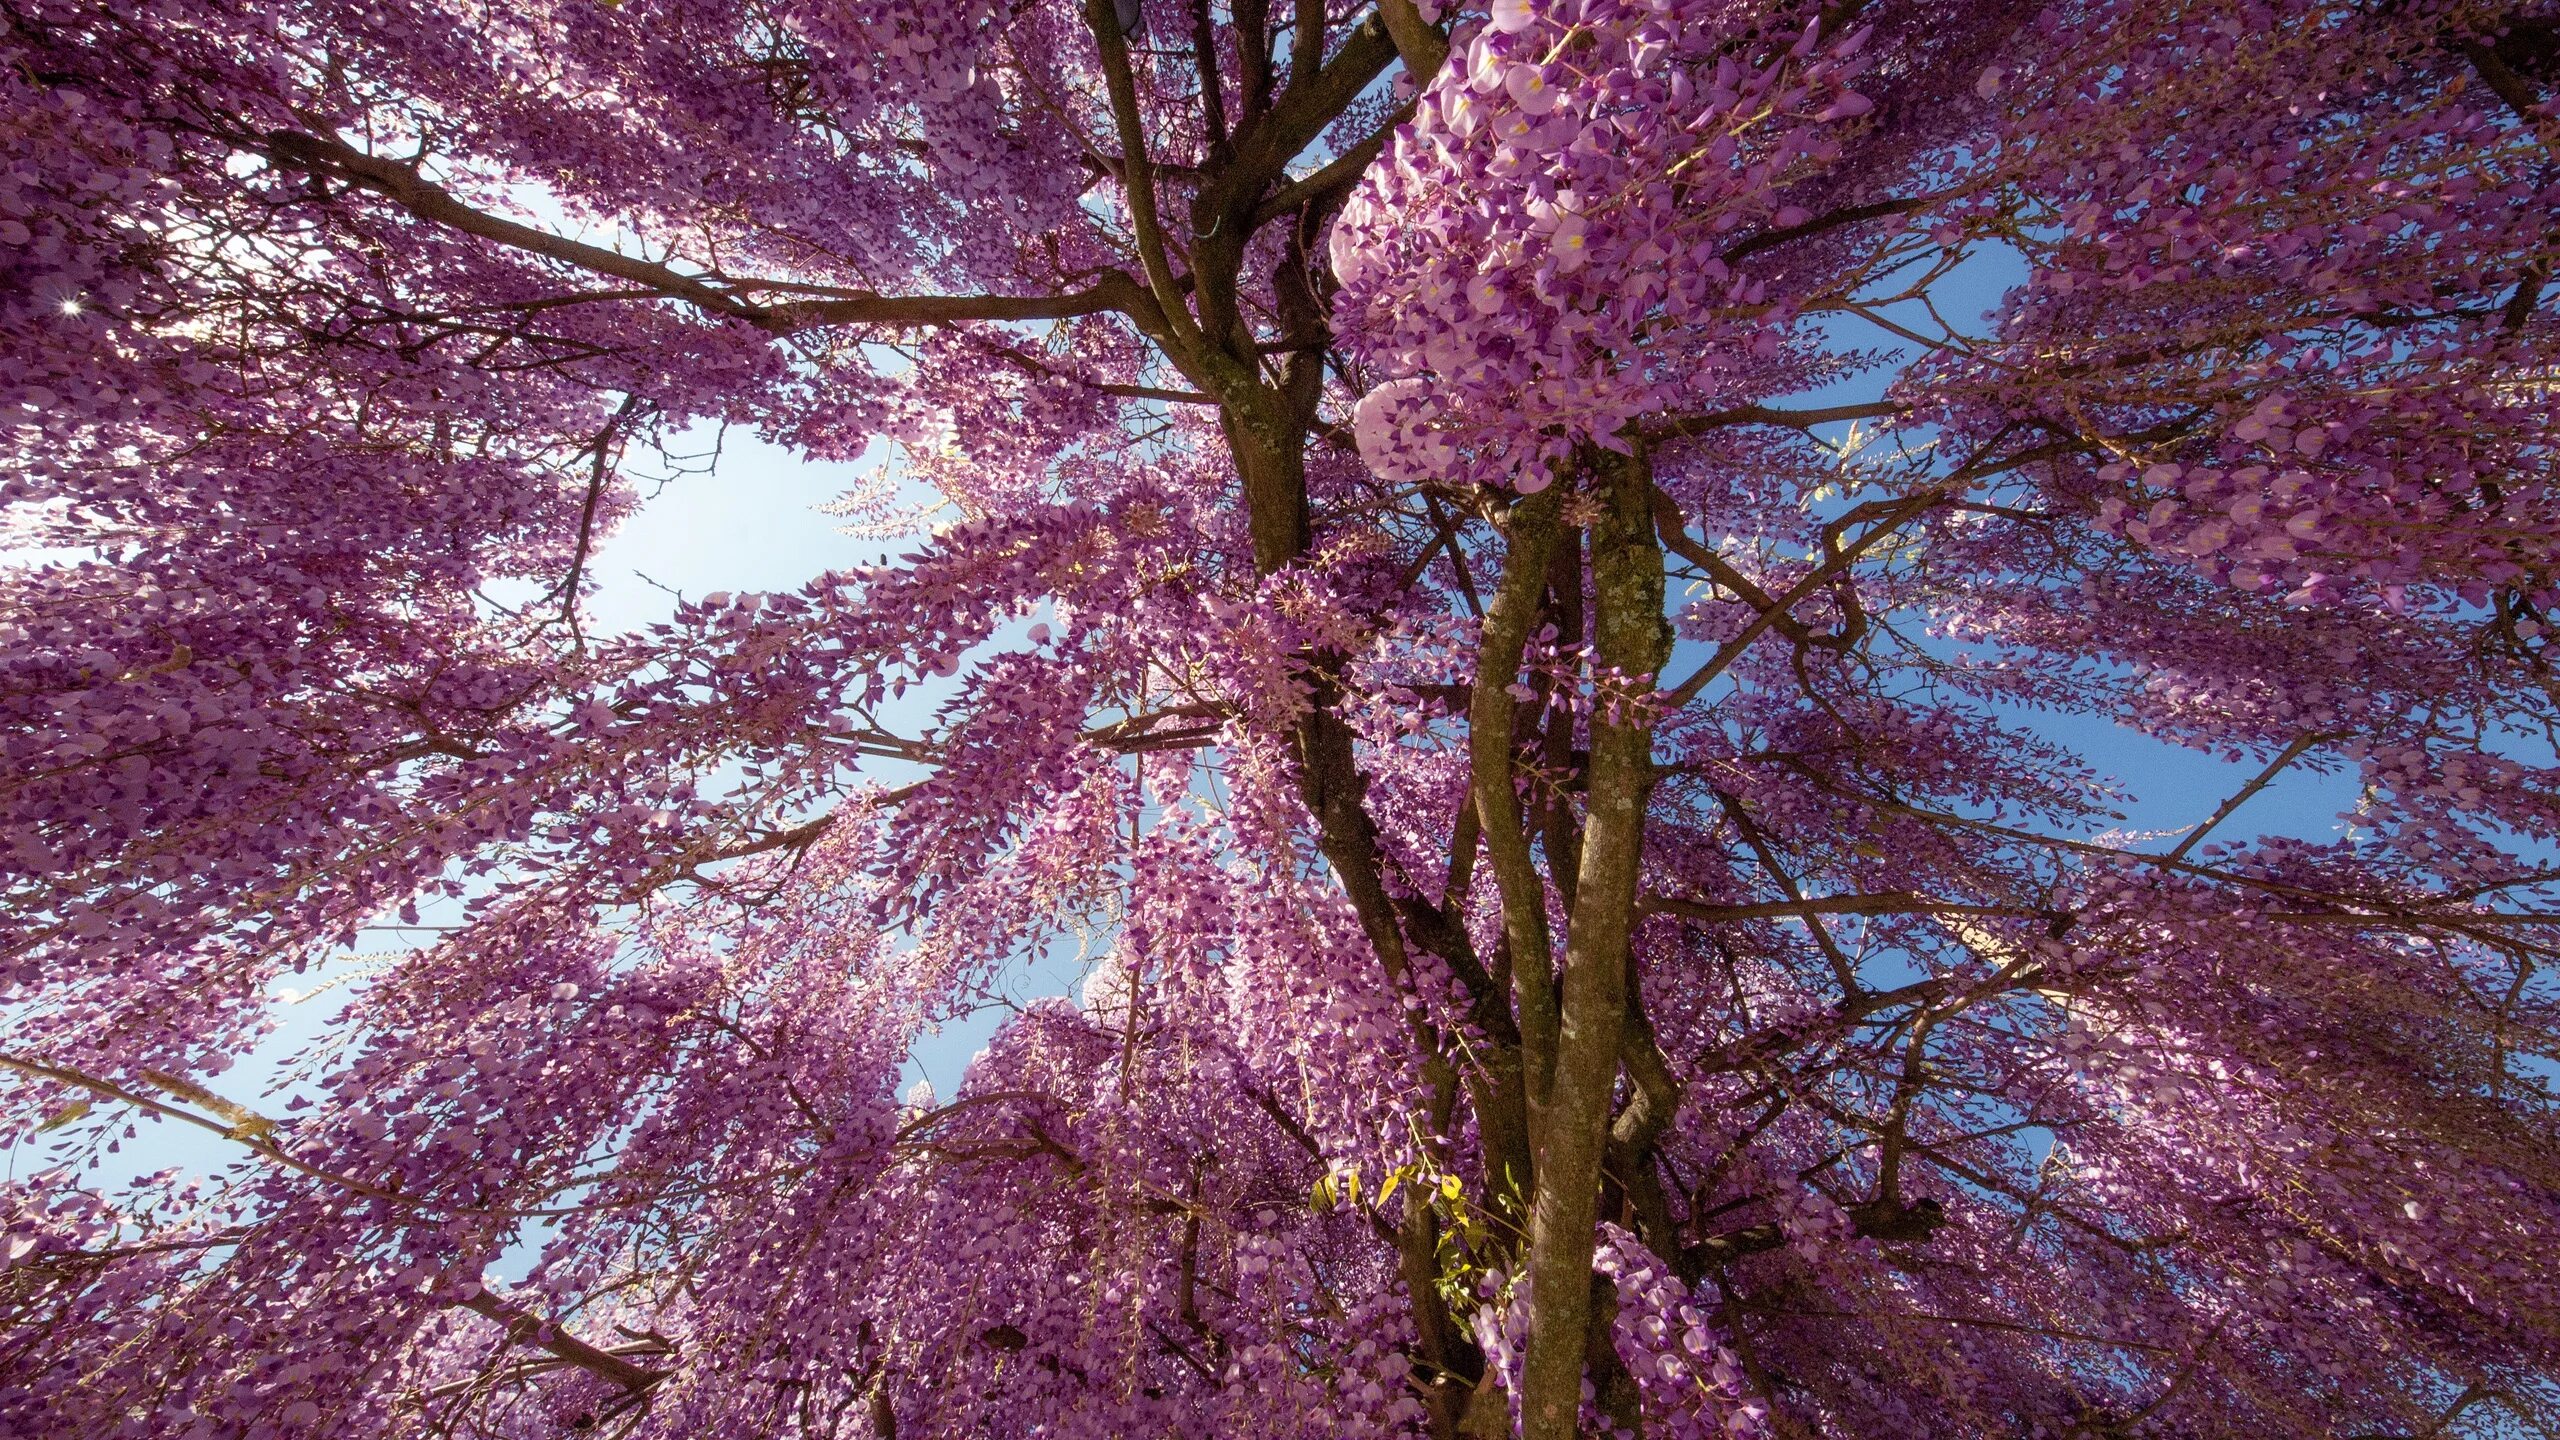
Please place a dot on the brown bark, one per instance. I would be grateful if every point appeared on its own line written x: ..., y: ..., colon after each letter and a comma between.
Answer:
x: 404, y: 186
x: 1570, y: 1115
x: 525, y: 1328
x: 1491, y: 712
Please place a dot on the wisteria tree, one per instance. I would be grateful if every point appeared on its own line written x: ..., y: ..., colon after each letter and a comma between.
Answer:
x: 1464, y: 561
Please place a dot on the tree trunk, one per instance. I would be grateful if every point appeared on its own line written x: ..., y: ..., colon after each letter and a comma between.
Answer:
x: 1569, y: 1117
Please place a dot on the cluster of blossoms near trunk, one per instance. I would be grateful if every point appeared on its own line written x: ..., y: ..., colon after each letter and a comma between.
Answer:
x: 1484, y: 570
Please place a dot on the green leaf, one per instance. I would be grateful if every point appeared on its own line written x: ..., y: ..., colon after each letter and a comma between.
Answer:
x: 64, y: 1116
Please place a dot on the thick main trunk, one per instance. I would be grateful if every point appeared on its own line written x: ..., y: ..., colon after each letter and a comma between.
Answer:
x: 1570, y: 1115
x: 1573, y: 1015
x: 1271, y: 460
x: 1335, y: 792
x: 1491, y: 738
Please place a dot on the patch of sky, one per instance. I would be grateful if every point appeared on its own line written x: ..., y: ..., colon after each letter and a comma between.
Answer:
x: 721, y: 513
x: 2165, y: 789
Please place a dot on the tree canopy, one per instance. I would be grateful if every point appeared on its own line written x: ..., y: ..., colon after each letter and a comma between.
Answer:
x: 1463, y: 561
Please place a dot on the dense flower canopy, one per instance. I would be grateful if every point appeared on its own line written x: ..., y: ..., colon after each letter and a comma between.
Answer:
x: 1478, y: 585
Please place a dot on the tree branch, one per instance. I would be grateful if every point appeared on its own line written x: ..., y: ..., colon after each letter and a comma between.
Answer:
x: 2266, y: 777
x: 1138, y: 184
x: 525, y: 1328
x: 402, y: 184
x: 1420, y: 43
x: 1689, y: 425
